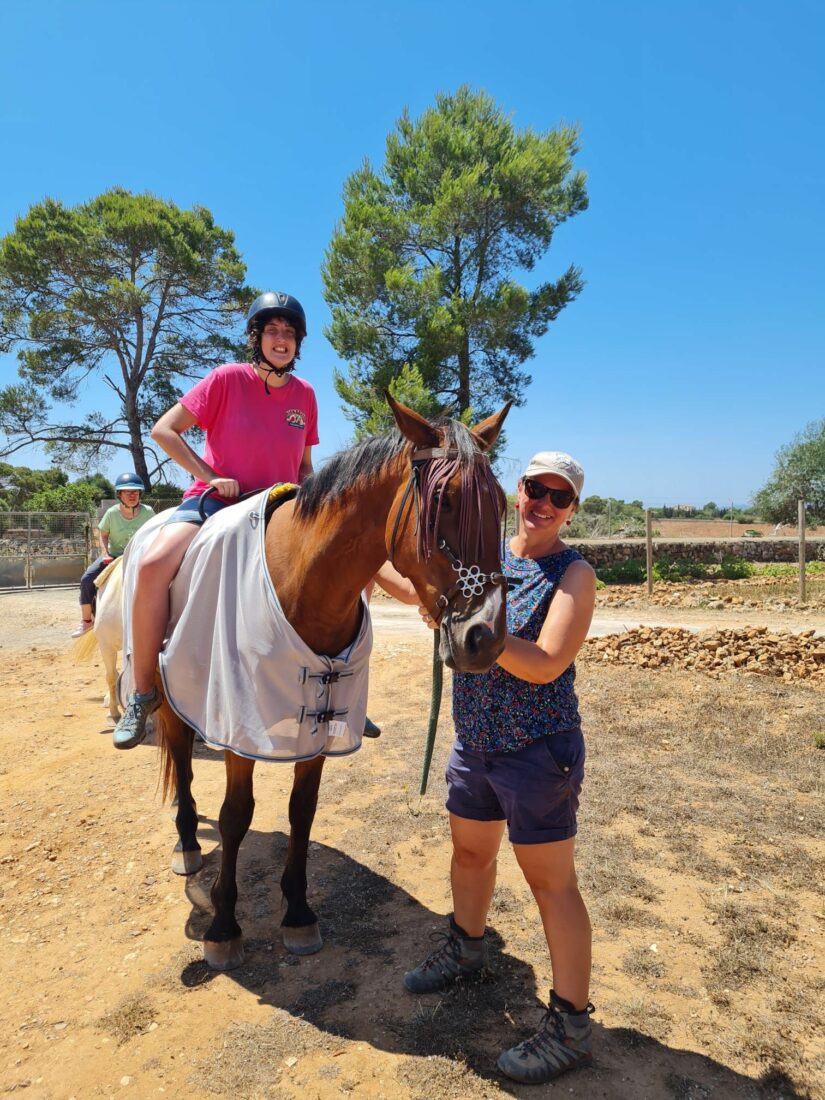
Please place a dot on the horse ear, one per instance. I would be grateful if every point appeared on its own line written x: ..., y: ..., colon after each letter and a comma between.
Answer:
x: 412, y: 425
x: 487, y: 432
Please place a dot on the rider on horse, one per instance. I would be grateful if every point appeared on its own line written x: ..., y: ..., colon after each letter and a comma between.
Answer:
x: 261, y: 423
x: 116, y: 527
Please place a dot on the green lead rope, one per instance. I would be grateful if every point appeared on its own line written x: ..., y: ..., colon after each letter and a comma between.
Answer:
x: 435, y: 706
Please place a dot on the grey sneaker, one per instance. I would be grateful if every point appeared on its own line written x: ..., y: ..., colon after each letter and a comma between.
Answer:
x: 459, y: 956
x: 131, y: 729
x: 561, y: 1043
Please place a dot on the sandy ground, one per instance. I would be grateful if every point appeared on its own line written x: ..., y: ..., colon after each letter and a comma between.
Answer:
x: 105, y: 993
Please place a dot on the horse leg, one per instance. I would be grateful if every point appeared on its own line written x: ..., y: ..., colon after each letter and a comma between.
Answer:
x: 178, y: 739
x: 300, y: 925
x: 109, y: 656
x: 223, y: 946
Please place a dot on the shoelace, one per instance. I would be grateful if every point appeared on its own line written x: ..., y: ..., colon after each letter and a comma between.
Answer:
x: 551, y: 1030
x: 449, y: 947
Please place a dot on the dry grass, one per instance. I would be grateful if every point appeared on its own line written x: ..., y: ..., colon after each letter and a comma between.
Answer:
x: 131, y: 1017
x: 712, y: 795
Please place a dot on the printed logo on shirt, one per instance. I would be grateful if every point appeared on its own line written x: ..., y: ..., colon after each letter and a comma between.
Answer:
x: 295, y: 418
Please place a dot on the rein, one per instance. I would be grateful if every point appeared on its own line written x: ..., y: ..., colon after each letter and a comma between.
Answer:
x: 470, y: 580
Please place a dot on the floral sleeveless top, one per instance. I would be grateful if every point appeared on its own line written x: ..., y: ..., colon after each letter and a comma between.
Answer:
x: 497, y: 712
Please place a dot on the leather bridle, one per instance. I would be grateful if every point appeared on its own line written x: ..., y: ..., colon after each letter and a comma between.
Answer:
x: 470, y: 580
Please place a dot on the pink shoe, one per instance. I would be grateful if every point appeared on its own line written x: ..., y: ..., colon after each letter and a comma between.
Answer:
x: 85, y: 626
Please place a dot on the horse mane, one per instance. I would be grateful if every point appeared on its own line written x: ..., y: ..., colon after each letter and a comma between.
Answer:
x: 367, y: 459
x: 345, y: 469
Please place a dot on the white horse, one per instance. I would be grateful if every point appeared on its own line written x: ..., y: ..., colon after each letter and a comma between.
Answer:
x: 107, y: 632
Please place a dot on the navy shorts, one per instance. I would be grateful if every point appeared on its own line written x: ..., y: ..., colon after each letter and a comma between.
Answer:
x: 187, y: 510
x: 535, y: 790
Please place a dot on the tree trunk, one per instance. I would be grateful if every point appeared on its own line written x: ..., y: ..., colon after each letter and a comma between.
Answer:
x: 136, y: 439
x: 464, y: 373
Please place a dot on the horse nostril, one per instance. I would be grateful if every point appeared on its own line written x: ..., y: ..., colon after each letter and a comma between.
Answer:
x: 478, y: 637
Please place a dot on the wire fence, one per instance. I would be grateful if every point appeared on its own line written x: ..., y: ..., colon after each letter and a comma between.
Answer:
x: 43, y: 549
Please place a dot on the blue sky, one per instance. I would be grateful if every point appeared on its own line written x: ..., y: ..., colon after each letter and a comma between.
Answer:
x: 696, y: 348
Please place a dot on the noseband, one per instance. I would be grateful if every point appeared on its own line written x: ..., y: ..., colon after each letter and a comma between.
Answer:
x: 470, y: 580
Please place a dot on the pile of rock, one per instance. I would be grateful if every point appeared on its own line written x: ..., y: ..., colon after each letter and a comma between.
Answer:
x: 790, y: 657
x: 767, y: 593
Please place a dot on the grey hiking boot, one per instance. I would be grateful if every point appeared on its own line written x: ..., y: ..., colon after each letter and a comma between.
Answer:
x: 131, y: 729
x: 561, y: 1043
x: 459, y: 956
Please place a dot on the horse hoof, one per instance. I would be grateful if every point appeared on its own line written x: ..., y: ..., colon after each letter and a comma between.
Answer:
x: 226, y: 955
x: 303, y: 941
x: 187, y: 863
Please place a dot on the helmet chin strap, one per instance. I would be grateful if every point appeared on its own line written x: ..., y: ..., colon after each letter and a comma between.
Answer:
x: 261, y: 359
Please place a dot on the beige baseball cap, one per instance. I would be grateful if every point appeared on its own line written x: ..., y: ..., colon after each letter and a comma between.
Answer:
x: 557, y: 462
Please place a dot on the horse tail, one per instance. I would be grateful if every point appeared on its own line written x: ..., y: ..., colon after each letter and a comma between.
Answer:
x: 167, y: 727
x: 85, y: 647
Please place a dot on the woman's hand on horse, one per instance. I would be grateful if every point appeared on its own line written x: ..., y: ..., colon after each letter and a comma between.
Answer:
x: 427, y: 617
x: 226, y: 487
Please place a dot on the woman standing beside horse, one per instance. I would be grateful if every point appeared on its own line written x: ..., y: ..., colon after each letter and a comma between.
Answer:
x: 261, y: 423
x: 519, y: 758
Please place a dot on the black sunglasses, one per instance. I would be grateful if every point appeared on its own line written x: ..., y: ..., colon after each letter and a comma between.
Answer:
x: 560, y: 498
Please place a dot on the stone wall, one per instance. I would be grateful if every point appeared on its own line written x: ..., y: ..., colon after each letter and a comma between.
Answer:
x: 610, y: 551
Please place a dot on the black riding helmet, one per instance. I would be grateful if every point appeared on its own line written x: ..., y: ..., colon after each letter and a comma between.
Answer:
x: 274, y: 303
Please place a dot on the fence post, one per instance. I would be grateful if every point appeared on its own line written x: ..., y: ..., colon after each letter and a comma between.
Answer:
x: 29, y: 567
x: 802, y: 554
x: 649, y: 550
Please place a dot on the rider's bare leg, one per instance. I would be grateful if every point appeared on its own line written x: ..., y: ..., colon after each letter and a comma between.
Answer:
x: 150, y: 609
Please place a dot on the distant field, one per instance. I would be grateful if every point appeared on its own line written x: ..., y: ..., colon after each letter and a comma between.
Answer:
x: 714, y: 529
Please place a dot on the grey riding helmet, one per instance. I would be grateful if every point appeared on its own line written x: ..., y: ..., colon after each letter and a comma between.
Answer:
x: 129, y: 481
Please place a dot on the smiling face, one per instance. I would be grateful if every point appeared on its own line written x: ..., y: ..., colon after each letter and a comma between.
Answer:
x: 278, y: 342
x: 543, y: 516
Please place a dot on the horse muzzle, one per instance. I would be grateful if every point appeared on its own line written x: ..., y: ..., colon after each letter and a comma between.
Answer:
x: 473, y: 637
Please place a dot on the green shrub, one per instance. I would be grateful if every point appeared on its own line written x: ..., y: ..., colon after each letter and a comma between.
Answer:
x: 776, y: 569
x: 666, y: 569
x: 789, y: 569
x: 599, y: 584
x: 623, y: 572
x: 734, y: 569
x: 819, y: 739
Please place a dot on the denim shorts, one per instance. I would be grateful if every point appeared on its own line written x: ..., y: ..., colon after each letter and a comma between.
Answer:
x: 535, y: 790
x: 187, y: 510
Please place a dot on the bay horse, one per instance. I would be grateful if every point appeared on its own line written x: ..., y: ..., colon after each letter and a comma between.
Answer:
x: 423, y: 497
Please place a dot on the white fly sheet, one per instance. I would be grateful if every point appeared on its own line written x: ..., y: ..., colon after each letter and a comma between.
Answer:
x: 233, y: 668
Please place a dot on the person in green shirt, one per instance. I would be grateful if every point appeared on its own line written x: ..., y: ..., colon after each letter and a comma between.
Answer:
x: 116, y: 527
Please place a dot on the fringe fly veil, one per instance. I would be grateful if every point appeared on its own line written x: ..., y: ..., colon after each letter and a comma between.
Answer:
x: 366, y: 460
x: 477, y: 482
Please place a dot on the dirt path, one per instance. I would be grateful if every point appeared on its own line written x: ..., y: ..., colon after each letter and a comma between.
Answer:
x: 105, y: 993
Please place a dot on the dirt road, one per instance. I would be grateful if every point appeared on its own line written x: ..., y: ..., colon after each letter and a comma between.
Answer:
x: 700, y: 847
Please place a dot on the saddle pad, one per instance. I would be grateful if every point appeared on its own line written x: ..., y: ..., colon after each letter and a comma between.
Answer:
x: 101, y: 578
x: 233, y: 668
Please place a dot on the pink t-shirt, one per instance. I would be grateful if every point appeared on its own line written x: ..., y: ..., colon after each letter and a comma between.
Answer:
x: 255, y: 438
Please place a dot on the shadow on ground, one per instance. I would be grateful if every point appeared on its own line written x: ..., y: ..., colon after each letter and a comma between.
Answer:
x: 351, y: 992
